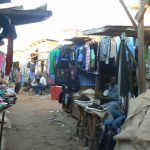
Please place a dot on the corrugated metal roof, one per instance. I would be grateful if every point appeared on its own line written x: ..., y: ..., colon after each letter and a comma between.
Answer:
x: 20, y: 16
x: 116, y: 31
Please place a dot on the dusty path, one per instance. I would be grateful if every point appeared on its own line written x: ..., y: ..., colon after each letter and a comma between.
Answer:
x: 38, y: 123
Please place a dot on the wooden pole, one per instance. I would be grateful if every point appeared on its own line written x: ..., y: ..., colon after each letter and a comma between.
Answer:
x: 145, y: 4
x: 97, y: 82
x: 129, y: 15
x: 141, y: 61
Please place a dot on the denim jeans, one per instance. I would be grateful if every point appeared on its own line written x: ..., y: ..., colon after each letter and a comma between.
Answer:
x: 39, y: 87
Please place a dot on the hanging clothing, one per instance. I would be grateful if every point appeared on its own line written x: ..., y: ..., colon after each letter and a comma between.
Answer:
x: 105, y: 45
x: 62, y: 76
x: 81, y: 57
x: 93, y: 56
x: 123, y: 81
x: 73, y: 79
x: 54, y: 54
x: 87, y: 56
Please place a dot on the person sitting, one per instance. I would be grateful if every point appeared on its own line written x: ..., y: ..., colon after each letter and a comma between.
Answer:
x: 110, y: 98
x: 111, y: 94
x: 115, y: 115
x: 28, y: 82
x: 42, y: 85
x: 32, y: 84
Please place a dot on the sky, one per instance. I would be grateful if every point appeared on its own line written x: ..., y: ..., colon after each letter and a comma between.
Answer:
x: 69, y: 14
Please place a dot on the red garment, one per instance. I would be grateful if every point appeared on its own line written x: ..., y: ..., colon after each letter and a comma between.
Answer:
x: 2, y: 58
x: 9, y: 56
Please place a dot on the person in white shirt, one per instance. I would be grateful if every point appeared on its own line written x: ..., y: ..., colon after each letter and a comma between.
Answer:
x: 42, y: 84
x: 32, y: 84
x: 43, y: 81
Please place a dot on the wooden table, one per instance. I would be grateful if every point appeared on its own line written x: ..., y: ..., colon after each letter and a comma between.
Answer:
x: 91, y: 130
x: 82, y: 122
x: 94, y: 120
x: 87, y: 124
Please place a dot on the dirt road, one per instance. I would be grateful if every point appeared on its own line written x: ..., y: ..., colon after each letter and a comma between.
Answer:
x: 38, y: 123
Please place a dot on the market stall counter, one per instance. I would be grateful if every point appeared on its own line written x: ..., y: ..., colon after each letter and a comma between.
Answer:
x: 81, y: 124
x: 87, y: 122
x: 7, y: 99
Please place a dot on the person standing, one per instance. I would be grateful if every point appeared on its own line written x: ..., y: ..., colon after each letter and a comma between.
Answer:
x: 18, y: 77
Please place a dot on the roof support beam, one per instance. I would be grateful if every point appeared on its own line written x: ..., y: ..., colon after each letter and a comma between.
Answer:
x: 141, y: 61
x: 129, y: 15
x: 145, y: 4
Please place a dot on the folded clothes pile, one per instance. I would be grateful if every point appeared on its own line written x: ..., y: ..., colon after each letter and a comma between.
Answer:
x: 7, y: 97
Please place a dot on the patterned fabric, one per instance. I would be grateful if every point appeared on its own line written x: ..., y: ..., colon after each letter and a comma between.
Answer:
x: 86, y: 79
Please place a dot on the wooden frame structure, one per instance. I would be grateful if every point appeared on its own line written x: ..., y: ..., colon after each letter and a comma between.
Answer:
x: 137, y: 30
x: 143, y: 5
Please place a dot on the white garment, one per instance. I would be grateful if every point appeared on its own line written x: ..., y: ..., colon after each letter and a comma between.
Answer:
x: 43, y: 81
x: 33, y: 83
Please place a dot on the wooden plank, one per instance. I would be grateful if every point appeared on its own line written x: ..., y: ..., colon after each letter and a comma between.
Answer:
x: 129, y: 15
x: 75, y: 111
x: 142, y: 9
x: 141, y: 62
x: 97, y: 84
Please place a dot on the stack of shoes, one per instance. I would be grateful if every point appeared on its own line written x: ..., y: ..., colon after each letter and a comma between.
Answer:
x: 84, y: 101
x: 96, y: 106
x: 83, y: 98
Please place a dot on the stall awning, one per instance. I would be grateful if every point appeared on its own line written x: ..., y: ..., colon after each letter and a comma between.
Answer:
x: 79, y: 39
x: 116, y: 31
x: 21, y: 17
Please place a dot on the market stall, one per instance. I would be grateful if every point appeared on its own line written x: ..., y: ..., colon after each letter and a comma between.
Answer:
x: 7, y: 99
x: 91, y: 114
x: 9, y: 18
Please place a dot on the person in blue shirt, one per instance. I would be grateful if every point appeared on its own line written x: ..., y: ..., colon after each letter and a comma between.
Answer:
x: 111, y: 94
x: 113, y: 88
x: 115, y: 116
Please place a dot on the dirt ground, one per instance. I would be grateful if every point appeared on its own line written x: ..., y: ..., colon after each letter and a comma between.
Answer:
x: 39, y: 123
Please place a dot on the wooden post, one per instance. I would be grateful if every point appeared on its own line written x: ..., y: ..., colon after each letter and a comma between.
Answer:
x: 97, y: 84
x: 97, y: 81
x: 141, y: 61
